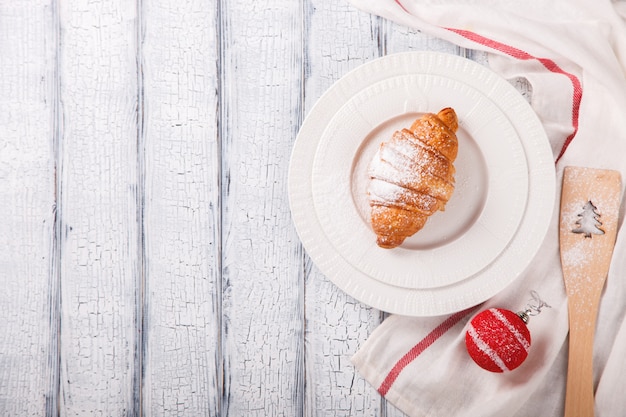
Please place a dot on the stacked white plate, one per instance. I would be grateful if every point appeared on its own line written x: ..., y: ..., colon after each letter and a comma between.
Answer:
x: 492, y: 226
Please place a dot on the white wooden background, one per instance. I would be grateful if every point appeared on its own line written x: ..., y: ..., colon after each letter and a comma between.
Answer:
x: 148, y: 261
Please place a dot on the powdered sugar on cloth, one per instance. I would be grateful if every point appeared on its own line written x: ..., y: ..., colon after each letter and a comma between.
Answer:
x: 573, y: 52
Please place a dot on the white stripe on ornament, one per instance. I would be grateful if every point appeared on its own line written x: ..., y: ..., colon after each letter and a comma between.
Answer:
x: 484, y: 347
x: 520, y: 337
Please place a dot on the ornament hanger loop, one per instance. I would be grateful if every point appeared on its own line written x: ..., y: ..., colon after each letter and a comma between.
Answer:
x: 535, y: 305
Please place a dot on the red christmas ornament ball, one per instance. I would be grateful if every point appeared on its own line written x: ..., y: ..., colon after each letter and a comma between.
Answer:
x: 497, y: 340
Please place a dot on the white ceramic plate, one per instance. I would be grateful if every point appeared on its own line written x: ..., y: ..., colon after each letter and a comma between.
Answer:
x: 493, y: 225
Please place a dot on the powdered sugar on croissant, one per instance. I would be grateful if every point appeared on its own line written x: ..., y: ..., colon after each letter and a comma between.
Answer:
x: 412, y: 176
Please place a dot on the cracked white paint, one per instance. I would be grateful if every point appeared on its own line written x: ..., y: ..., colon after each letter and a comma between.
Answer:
x: 182, y: 323
x: 27, y: 248
x: 171, y: 281
x: 97, y: 207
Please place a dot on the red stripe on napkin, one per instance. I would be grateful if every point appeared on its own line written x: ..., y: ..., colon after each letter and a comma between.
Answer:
x: 547, y: 63
x: 420, y: 347
x: 400, y: 4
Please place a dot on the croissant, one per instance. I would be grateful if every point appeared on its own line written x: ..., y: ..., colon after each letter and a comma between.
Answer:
x: 412, y: 177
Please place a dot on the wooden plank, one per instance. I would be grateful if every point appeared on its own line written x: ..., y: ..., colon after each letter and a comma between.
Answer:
x: 339, y: 38
x: 98, y: 208
x: 182, y: 209
x: 261, y: 67
x: 28, y: 300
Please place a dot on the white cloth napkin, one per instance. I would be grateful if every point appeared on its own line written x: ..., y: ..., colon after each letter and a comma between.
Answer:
x: 573, y: 52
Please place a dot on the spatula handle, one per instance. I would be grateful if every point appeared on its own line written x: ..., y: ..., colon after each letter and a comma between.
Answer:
x: 579, y: 398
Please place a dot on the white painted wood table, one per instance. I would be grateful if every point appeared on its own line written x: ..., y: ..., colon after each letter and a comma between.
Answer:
x: 148, y: 261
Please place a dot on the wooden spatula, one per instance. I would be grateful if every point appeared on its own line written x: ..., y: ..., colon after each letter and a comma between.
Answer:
x: 590, y: 202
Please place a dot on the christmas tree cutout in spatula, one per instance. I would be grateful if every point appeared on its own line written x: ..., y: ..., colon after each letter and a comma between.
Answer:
x: 589, y: 222
x: 590, y: 202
